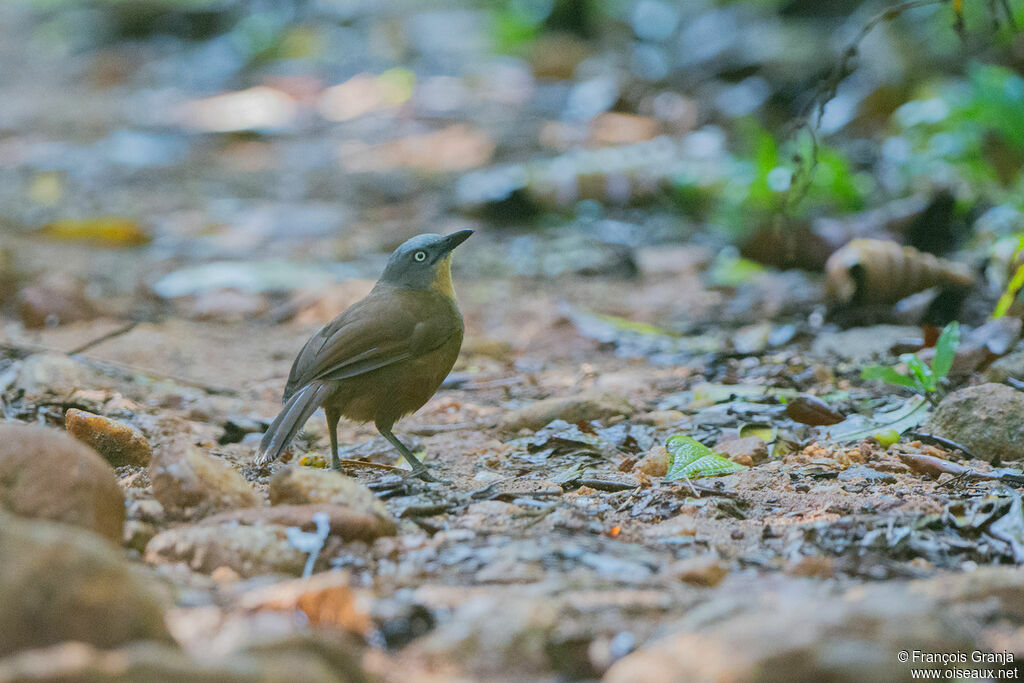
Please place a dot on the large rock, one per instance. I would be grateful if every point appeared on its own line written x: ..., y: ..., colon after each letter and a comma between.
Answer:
x: 346, y: 523
x: 47, y: 474
x: 569, y: 408
x: 304, y: 485
x: 801, y: 635
x: 58, y: 583
x: 191, y: 484
x: 118, y: 443
x: 988, y: 419
x: 254, y: 541
x: 296, y: 660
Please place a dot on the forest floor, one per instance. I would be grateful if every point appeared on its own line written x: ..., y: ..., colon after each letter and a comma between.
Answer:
x: 560, y: 548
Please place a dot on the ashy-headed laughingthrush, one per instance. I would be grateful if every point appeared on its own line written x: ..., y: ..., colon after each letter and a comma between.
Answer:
x: 384, y: 357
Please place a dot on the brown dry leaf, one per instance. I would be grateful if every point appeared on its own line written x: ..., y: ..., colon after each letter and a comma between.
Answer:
x: 810, y: 410
x: 326, y: 599
x: 454, y: 148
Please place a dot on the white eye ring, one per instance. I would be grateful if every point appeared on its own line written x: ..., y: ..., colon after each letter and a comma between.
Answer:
x: 420, y: 256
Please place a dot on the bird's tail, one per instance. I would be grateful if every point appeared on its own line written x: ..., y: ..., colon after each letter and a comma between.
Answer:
x: 287, y: 424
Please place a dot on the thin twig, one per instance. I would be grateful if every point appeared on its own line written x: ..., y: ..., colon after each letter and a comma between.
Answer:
x: 369, y: 465
x: 124, y: 329
x: 606, y: 484
x: 430, y: 430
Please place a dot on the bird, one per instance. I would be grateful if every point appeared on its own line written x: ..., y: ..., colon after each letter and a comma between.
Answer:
x: 383, y: 357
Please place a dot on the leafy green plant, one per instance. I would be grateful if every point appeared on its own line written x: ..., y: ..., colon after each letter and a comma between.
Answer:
x: 690, y: 459
x: 922, y: 378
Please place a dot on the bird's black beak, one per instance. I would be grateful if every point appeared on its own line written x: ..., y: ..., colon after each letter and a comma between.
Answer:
x: 455, y: 239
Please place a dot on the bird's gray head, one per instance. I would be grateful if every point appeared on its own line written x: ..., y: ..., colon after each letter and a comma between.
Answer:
x: 423, y: 262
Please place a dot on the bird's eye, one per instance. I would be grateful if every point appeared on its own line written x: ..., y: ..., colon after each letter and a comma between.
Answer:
x: 420, y: 256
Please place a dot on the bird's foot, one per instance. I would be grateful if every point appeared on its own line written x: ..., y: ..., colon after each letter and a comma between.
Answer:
x: 424, y: 474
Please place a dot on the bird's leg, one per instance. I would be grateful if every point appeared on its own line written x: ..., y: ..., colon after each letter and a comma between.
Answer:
x: 333, y: 416
x: 418, y: 468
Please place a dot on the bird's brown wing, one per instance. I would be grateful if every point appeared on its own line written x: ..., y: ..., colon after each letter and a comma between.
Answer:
x: 380, y: 330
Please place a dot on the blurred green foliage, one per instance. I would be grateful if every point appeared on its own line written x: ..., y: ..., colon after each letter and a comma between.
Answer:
x: 921, y: 377
x: 759, y: 183
x: 966, y: 133
x: 515, y: 28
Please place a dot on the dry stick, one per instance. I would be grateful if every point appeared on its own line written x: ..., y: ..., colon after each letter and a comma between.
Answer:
x: 370, y: 465
x: 124, y: 329
x: 606, y: 484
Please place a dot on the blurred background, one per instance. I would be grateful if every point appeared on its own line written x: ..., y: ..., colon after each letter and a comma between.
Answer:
x: 209, y: 158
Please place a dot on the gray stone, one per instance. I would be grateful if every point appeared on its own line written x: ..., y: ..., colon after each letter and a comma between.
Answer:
x: 1010, y: 365
x: 988, y: 419
x: 304, y: 485
x: 191, y: 484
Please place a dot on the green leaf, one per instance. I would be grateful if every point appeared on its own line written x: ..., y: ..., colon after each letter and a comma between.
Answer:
x: 945, y: 350
x: 692, y: 460
x: 887, y: 374
x: 887, y: 437
x: 925, y: 380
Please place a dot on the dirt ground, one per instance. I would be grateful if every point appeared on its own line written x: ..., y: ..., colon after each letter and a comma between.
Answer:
x: 198, y: 261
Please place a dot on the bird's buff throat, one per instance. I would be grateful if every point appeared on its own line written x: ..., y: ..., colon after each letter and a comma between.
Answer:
x: 442, y: 283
